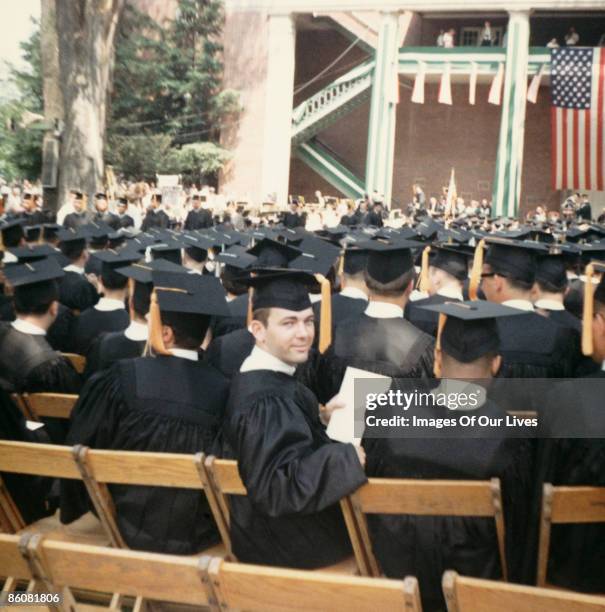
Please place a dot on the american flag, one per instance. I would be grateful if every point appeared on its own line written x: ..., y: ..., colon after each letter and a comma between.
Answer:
x: 578, y: 118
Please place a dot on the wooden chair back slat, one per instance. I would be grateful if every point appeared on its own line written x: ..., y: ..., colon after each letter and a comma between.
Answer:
x: 426, y: 497
x: 37, y: 459
x: 271, y: 589
x: 11, y: 561
x: 77, y: 361
x: 131, y: 573
x: 142, y: 468
x: 226, y: 476
x: 562, y: 505
x: 464, y: 594
x: 49, y: 405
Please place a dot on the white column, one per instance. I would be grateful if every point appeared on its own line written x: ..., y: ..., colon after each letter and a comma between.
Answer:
x: 278, y: 107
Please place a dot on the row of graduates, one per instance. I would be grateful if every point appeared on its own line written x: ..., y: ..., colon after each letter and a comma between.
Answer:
x: 255, y: 396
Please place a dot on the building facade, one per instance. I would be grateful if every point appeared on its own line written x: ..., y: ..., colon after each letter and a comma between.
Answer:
x: 327, y: 85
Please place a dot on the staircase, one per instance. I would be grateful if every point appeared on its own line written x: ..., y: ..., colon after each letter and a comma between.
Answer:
x: 332, y: 102
x: 326, y: 163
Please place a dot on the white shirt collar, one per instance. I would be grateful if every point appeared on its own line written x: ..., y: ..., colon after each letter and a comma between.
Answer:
x: 383, y: 310
x: 194, y: 271
x: 603, y: 366
x: 25, y: 327
x: 546, y: 304
x: 74, y: 268
x: 452, y: 292
x: 418, y: 295
x: 519, y: 305
x: 185, y: 354
x: 355, y: 293
x: 109, y: 304
x: 9, y: 258
x: 314, y: 297
x: 260, y: 359
x: 137, y: 332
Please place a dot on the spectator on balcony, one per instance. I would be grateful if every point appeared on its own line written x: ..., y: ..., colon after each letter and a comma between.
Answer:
x: 553, y: 43
x: 486, y: 38
x: 448, y: 38
x: 440, y: 38
x: 572, y: 38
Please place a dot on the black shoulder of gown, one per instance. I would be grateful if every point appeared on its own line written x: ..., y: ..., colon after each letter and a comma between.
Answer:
x: 425, y: 320
x: 109, y: 348
x: 92, y: 323
x: 228, y: 352
x: 76, y: 292
x: 162, y: 404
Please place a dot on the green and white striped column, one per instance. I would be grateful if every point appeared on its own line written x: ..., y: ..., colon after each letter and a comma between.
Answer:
x: 383, y: 109
x: 509, y: 162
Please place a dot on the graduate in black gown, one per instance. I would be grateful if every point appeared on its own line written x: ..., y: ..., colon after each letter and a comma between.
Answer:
x: 168, y: 403
x: 198, y: 218
x: 124, y: 219
x: 426, y: 546
x: 447, y: 271
x: 109, y: 314
x: 294, y: 474
x: 532, y: 346
x: 102, y: 214
x: 75, y: 291
x: 80, y: 216
x: 577, y: 555
x: 154, y: 216
x: 294, y: 218
x: 381, y: 340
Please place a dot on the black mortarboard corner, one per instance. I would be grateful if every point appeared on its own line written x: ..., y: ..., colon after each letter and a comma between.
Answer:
x: 514, y: 259
x: 100, y: 195
x: 451, y: 258
x: 30, y: 253
x: 35, y: 283
x: 78, y: 194
x: 551, y: 267
x: 237, y: 258
x: 32, y: 232
x: 468, y: 330
x: 72, y: 242
x: 170, y: 251
x: 111, y: 261
x: 273, y: 254
x: 388, y: 261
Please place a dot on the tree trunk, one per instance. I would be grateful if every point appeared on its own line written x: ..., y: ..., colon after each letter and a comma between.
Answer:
x: 86, y: 33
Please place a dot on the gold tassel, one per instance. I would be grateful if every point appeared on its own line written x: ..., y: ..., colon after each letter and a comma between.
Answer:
x: 131, y: 298
x: 476, y: 270
x: 588, y: 314
x: 341, y: 265
x: 325, y: 316
x: 440, y: 326
x: 423, y: 280
x: 249, y: 312
x: 155, y: 327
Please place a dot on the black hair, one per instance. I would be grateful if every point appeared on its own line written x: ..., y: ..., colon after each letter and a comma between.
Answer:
x: 35, y: 299
x: 392, y: 289
x: 112, y: 279
x: 189, y: 329
x: 141, y: 298
x: 229, y: 279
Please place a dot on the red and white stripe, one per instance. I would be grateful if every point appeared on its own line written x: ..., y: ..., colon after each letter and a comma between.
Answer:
x: 578, y: 138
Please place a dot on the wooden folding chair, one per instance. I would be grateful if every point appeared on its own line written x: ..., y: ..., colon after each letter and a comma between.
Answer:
x: 102, y: 467
x: 420, y: 497
x: 36, y: 406
x: 464, y: 594
x: 65, y: 567
x: 13, y: 566
x: 223, y: 479
x: 267, y: 589
x: 561, y: 505
x: 77, y: 361
x: 47, y: 460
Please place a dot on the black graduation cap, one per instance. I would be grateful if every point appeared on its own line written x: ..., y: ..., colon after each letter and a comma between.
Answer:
x: 31, y: 253
x: 142, y: 272
x: 428, y: 228
x: 35, y: 283
x: 387, y: 261
x: 78, y: 194
x: 100, y: 195
x: 551, y: 267
x: 592, y: 252
x: 72, y: 242
x: 28, y: 195
x: 110, y: 262
x: 451, y: 258
x: 189, y: 293
x: 157, y: 197
x: 273, y: 254
x: 32, y: 232
x: 312, y: 263
x: 470, y: 329
x: 282, y: 288
x: 50, y: 230
x: 170, y: 251
x: 123, y: 200
x: 12, y: 232
x: 237, y: 257
x: 513, y: 258
x: 115, y: 239
x: 197, y: 247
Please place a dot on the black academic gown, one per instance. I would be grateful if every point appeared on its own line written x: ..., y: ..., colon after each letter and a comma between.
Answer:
x: 7, y: 312
x: 125, y: 221
x: 60, y: 333
x: 108, y: 218
x: 75, y: 220
x: 155, y: 218
x: 76, y: 292
x: 236, y: 320
x: 294, y: 474
x: 92, y: 323
x: 292, y: 220
x: 227, y: 353
x: 28, y: 492
x: 161, y: 404
x: 426, y: 546
x: 532, y: 346
x: 577, y: 552
x: 198, y: 219
x: 426, y: 320
x: 391, y: 347
x: 343, y: 308
x: 34, y: 218
x: 109, y: 348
